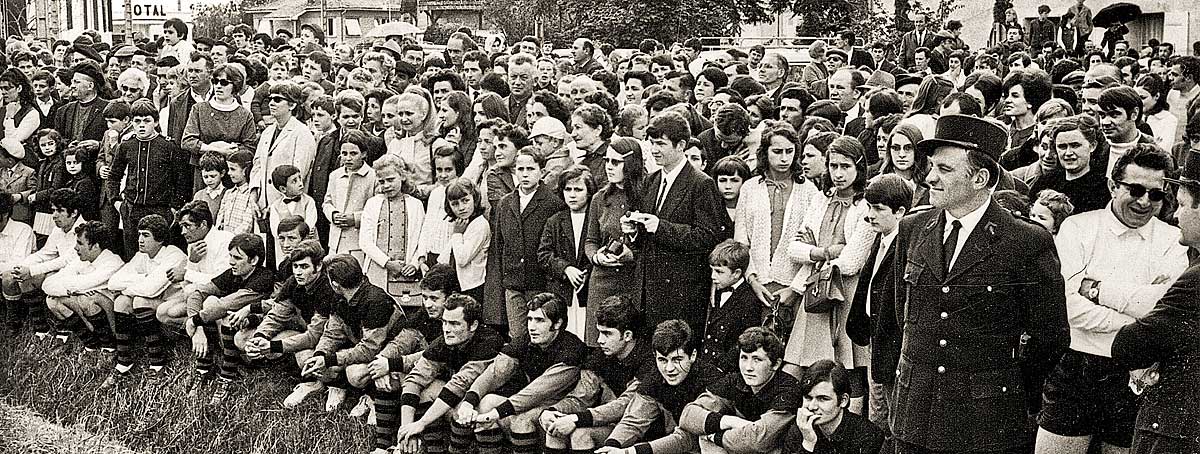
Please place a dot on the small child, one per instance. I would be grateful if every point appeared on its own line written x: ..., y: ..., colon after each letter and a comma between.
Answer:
x: 76, y: 160
x: 391, y: 230
x: 732, y: 308
x: 120, y: 129
x: 1050, y: 209
x: 470, y: 236
x: 239, y: 205
x: 730, y: 172
x: 212, y: 174
x: 321, y: 121
x: 349, y: 188
x: 518, y: 222
x: 287, y: 180
x: 436, y: 232
x: 549, y: 134
x: 49, y: 175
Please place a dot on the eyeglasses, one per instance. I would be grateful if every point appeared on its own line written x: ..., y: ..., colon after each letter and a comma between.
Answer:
x: 1137, y: 191
x: 128, y: 89
x: 222, y: 81
x: 277, y: 99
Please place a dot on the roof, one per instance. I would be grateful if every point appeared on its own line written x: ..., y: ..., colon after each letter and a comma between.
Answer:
x: 290, y: 9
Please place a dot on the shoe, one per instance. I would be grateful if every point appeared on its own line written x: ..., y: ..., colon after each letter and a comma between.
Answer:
x: 364, y: 406
x: 62, y: 336
x: 301, y: 392
x: 197, y: 385
x: 222, y: 392
x: 335, y: 399
x: 42, y: 335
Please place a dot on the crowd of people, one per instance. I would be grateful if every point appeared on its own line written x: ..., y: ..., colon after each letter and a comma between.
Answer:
x: 910, y: 247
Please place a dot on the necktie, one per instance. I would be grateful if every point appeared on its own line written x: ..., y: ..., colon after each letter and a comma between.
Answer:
x: 291, y: 199
x: 662, y: 195
x: 950, y: 244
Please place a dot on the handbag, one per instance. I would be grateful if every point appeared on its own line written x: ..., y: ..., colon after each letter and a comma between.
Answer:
x: 823, y: 290
x: 780, y: 317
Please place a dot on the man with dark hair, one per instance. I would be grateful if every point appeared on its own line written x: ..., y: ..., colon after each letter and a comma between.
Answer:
x: 1161, y: 340
x: 23, y: 282
x: 441, y: 377
x: 920, y: 36
x: 69, y: 289
x: 583, y: 52
x: 730, y: 134
x: 824, y: 422
x: 1042, y: 29
x: 858, y: 57
x: 1116, y: 262
x: 541, y: 368
x: 1120, y: 110
x: 680, y: 219
x: 209, y: 303
x: 473, y: 64
x: 750, y: 410
x: 583, y: 420
x: 208, y: 257
x: 945, y: 262
x: 1184, y: 75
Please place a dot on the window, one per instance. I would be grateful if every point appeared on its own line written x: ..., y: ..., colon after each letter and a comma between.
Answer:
x: 352, y: 27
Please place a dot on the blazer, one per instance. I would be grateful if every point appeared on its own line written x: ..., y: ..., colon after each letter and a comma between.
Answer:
x: 177, y: 118
x: 20, y: 180
x: 964, y: 356
x: 294, y: 145
x: 672, y: 263
x: 558, y: 250
x: 909, y: 42
x: 725, y: 323
x: 517, y: 234
x: 1166, y: 335
x: 94, y: 130
x: 863, y: 327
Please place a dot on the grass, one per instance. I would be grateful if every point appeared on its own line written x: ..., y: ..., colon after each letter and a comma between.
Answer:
x: 62, y: 385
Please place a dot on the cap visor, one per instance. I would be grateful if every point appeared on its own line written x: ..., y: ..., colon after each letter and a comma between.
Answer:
x: 928, y: 146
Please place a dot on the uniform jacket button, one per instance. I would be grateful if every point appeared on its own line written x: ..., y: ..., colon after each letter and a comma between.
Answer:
x: 944, y: 315
x: 942, y: 342
x: 946, y: 289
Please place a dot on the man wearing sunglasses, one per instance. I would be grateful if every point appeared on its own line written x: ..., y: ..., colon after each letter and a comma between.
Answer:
x: 1117, y: 262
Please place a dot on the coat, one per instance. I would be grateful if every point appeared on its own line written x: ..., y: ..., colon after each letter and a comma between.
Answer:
x: 1166, y: 421
x: 65, y: 118
x: 21, y: 179
x: 864, y: 328
x: 964, y: 356
x: 741, y: 311
x: 294, y: 145
x: 909, y: 42
x: 517, y: 234
x: 672, y: 263
x: 558, y: 250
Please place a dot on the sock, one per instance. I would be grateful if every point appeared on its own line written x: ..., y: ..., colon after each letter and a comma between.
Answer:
x: 230, y: 356
x: 461, y: 438
x: 204, y: 364
x: 435, y: 436
x: 36, y: 301
x: 490, y: 441
x: 14, y: 311
x: 71, y: 324
x: 100, y: 328
x: 387, y: 417
x: 125, y: 326
x: 524, y: 443
x: 148, y: 327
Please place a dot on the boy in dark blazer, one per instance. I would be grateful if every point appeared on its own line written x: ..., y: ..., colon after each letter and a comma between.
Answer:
x: 517, y: 233
x: 732, y: 307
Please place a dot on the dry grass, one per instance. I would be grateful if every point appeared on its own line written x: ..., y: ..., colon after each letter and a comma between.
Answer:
x: 61, y: 383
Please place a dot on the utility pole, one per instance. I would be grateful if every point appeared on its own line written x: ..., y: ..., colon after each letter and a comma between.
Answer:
x: 128, y: 21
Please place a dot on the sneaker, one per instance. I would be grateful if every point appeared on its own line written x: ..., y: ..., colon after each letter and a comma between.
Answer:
x: 335, y: 399
x: 222, y: 392
x: 365, y: 404
x: 42, y: 335
x: 301, y: 392
x: 62, y: 336
x: 196, y: 385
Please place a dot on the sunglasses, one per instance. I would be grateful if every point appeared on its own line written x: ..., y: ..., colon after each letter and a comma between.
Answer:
x: 222, y: 82
x: 278, y: 99
x: 1137, y: 191
x: 128, y: 89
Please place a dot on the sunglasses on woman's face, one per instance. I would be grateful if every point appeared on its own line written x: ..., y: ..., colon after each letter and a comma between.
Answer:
x: 128, y: 89
x: 222, y: 82
x: 277, y: 99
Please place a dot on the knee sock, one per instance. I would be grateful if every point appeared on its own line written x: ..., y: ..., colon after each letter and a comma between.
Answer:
x: 525, y: 443
x: 461, y: 438
x: 387, y: 417
x: 230, y: 356
x: 148, y: 327
x: 100, y: 327
x: 125, y: 327
x: 71, y: 324
x: 204, y: 364
x: 15, y: 311
x: 434, y: 437
x: 36, y: 301
x: 490, y: 441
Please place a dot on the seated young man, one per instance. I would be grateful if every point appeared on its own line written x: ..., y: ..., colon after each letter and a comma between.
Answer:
x: 16, y: 243
x: 441, y: 377
x: 363, y: 321
x: 208, y: 257
x: 650, y: 424
x: 529, y: 375
x: 747, y: 411
x: 296, y: 320
x: 23, y: 283
x: 245, y: 282
x: 67, y: 291
x: 290, y: 231
x: 582, y: 420
x: 824, y: 422
x: 134, y: 292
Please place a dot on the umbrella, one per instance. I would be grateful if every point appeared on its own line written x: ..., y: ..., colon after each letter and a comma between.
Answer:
x: 1116, y: 13
x: 393, y: 29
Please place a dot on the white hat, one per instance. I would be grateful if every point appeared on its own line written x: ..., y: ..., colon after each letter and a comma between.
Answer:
x: 549, y: 126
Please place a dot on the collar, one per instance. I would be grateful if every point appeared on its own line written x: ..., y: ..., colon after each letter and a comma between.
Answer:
x: 362, y: 170
x: 670, y: 175
x: 970, y: 220
x: 1119, y: 228
x: 886, y: 240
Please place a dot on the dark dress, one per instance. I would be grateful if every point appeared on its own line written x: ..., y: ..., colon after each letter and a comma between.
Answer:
x: 603, y: 227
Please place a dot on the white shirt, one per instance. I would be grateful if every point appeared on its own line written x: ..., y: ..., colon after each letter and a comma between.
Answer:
x: 1163, y: 124
x: 215, y: 261
x: 1126, y: 261
x: 577, y: 227
x: 16, y: 243
x: 885, y: 243
x: 1179, y: 104
x: 58, y: 252
x: 146, y: 276
x: 82, y: 277
x: 524, y: 198
x: 726, y: 295
x: 968, y: 225
x: 668, y: 180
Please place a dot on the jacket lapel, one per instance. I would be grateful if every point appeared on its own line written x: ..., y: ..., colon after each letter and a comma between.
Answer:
x: 673, y: 192
x: 979, y: 245
x: 927, y: 247
x: 538, y: 197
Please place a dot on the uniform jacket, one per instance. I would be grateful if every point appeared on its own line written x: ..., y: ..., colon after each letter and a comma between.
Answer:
x: 1167, y: 335
x: 517, y: 235
x: 963, y: 356
x: 558, y: 250
x: 672, y: 263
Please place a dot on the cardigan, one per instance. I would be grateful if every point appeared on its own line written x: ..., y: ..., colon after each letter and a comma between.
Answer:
x: 372, y: 220
x: 752, y: 227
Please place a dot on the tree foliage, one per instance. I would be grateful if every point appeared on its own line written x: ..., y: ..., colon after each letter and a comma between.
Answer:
x: 211, y: 19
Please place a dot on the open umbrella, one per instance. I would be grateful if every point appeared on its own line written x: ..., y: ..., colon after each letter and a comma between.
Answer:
x: 393, y: 29
x: 1116, y: 13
